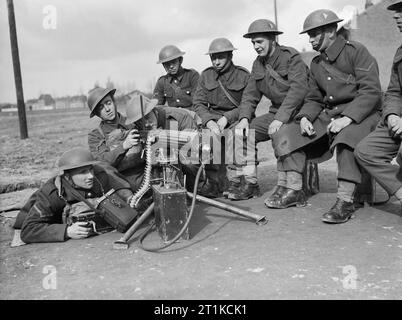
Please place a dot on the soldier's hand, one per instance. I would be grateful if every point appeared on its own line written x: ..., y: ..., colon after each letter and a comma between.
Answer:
x: 306, y: 127
x: 394, y: 125
x: 132, y: 139
x: 78, y: 230
x: 397, y: 129
x: 338, y: 124
x: 222, y: 123
x: 274, y: 127
x: 242, y: 128
x: 213, y: 126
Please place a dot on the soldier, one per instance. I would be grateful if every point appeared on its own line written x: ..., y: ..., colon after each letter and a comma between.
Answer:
x: 280, y: 75
x: 216, y: 102
x: 114, y: 141
x: 41, y: 218
x: 177, y: 87
x: 341, y: 108
x: 375, y: 152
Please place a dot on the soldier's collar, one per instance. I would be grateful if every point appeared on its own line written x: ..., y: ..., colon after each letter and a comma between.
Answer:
x: 335, y: 49
x: 178, y: 76
x: 271, y: 60
x: 227, y: 72
x: 118, y: 121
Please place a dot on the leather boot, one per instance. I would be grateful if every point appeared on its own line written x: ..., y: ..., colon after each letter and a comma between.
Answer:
x: 277, y: 193
x: 288, y: 199
x: 210, y: 189
x: 245, y: 192
x: 341, y: 212
x: 233, y: 187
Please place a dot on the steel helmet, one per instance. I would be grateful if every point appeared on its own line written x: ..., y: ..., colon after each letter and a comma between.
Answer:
x: 133, y: 109
x: 76, y: 158
x: 262, y: 26
x: 395, y: 5
x: 95, y: 96
x: 169, y: 53
x: 220, y: 45
x: 319, y: 18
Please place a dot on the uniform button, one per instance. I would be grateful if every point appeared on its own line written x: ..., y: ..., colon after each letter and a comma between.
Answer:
x: 175, y: 81
x: 165, y: 94
x: 188, y: 92
x: 89, y: 194
x: 329, y: 78
x: 178, y: 100
x: 331, y: 98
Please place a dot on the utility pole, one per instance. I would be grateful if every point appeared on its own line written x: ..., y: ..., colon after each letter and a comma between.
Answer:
x: 276, y: 15
x: 17, y: 71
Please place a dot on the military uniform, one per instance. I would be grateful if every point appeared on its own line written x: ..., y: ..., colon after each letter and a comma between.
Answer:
x: 349, y: 87
x: 177, y: 90
x: 375, y: 152
x: 41, y: 218
x: 106, y: 144
x: 211, y: 103
x: 286, y: 90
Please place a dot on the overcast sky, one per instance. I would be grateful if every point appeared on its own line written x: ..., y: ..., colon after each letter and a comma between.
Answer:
x: 121, y: 39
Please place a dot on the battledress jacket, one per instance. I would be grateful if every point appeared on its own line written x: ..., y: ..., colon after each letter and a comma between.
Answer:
x: 178, y: 90
x: 393, y: 96
x: 352, y: 90
x: 106, y: 142
x: 41, y: 218
x: 211, y: 102
x: 286, y: 94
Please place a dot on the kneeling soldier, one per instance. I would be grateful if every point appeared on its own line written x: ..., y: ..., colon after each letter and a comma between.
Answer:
x: 41, y: 218
x: 340, y: 109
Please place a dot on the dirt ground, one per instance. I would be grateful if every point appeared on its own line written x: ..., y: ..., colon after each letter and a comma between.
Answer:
x: 293, y: 256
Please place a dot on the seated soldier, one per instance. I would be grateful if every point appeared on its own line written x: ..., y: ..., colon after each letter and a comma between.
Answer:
x: 178, y: 86
x: 279, y: 74
x: 151, y: 116
x: 41, y: 218
x: 340, y: 109
x: 375, y: 152
x: 216, y: 102
x: 114, y: 141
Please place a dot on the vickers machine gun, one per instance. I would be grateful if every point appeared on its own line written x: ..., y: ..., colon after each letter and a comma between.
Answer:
x: 165, y: 151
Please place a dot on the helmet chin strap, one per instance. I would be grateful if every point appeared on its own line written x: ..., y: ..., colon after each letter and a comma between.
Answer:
x: 319, y: 46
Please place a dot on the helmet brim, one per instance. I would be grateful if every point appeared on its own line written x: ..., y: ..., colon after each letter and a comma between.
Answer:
x: 395, y: 6
x: 251, y: 34
x: 220, y: 51
x: 84, y: 164
x: 178, y: 55
x: 320, y: 26
x: 111, y: 91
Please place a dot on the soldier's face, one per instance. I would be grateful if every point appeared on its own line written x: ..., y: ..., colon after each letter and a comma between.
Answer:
x: 220, y: 60
x: 398, y: 18
x: 262, y: 45
x: 107, y: 109
x: 172, y: 67
x: 320, y: 39
x: 82, y: 177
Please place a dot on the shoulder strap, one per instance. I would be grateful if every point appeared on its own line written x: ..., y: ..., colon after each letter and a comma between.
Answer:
x: 275, y: 75
x: 76, y: 194
x: 101, y: 132
x: 228, y: 95
x: 348, y: 78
